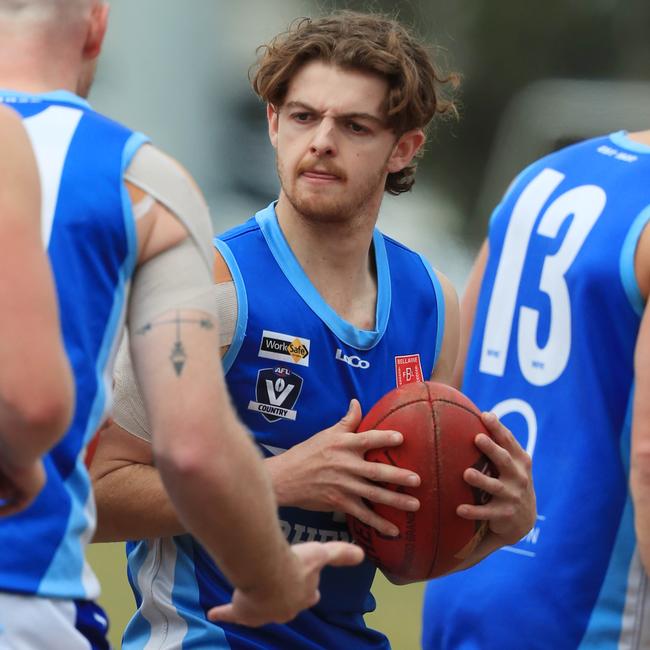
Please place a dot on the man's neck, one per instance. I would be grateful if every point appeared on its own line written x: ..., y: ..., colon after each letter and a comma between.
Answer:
x: 28, y: 67
x: 643, y: 137
x: 338, y: 260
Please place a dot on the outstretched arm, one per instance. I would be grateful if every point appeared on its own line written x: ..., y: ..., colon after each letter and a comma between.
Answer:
x: 640, y: 460
x: 467, y: 312
x: 36, y: 390
x: 511, y: 511
x: 208, y: 464
x: 446, y: 361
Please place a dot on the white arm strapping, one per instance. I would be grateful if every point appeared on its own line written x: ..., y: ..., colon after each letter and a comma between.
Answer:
x: 128, y: 407
x: 166, y: 181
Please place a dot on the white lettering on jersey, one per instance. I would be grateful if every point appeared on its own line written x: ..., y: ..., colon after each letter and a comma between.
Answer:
x: 539, y: 365
x: 352, y: 360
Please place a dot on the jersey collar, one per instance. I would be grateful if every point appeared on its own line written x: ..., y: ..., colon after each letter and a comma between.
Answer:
x: 9, y: 96
x: 622, y: 139
x: 346, y: 332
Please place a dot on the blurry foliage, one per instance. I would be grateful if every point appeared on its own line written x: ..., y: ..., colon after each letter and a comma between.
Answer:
x: 499, y: 48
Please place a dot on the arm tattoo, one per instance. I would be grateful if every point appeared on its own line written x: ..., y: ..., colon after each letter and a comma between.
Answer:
x: 178, y: 355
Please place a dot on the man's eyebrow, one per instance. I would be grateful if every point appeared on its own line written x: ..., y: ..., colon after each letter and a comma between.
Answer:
x: 344, y: 116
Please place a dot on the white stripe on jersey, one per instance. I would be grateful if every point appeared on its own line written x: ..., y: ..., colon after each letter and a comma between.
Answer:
x: 30, y: 622
x: 51, y: 133
x: 635, y: 633
x: 156, y: 583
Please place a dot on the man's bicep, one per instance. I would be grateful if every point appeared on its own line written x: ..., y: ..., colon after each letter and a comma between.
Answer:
x: 468, y: 311
x: 177, y: 366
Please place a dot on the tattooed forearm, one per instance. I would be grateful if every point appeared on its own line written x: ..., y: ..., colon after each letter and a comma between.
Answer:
x: 178, y: 354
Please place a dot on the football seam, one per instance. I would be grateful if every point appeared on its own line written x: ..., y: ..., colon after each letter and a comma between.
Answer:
x: 461, y: 406
x: 397, y: 408
x: 416, y: 401
x: 436, y: 438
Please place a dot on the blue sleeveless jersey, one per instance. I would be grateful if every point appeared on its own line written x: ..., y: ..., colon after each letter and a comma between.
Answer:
x: 89, y: 232
x: 552, y: 354
x: 292, y: 369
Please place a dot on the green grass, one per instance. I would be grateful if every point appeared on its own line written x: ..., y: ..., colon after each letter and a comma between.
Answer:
x: 397, y: 614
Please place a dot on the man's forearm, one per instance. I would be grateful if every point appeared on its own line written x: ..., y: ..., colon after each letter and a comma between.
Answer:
x: 224, y: 496
x: 640, y: 486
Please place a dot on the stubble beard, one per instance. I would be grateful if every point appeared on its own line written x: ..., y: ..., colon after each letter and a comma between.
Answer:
x: 318, y: 207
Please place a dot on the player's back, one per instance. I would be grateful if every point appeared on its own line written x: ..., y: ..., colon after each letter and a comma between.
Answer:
x: 552, y: 354
x: 89, y: 232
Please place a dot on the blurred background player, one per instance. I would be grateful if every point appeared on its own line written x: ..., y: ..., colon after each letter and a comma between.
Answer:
x: 36, y: 393
x: 324, y: 309
x: 560, y: 348
x: 144, y: 242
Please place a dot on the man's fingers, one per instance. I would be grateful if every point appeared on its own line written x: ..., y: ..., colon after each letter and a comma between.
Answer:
x: 378, y: 494
x: 316, y: 555
x: 501, y: 433
x: 375, y: 439
x: 350, y: 421
x: 495, y: 452
x: 384, y: 473
x: 223, y: 614
x: 361, y: 512
x: 484, y: 482
x: 343, y: 554
x: 489, y: 512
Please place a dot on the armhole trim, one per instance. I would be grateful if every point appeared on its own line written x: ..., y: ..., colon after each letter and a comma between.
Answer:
x: 242, y: 304
x: 626, y: 264
x: 440, y: 304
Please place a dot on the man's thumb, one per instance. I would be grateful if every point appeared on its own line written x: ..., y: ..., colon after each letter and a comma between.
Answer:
x: 352, y: 418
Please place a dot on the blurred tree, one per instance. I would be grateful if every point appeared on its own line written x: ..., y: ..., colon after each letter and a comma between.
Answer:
x: 501, y: 47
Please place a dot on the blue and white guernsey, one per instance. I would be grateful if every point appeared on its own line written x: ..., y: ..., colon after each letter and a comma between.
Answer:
x: 292, y: 369
x: 89, y: 232
x: 552, y: 354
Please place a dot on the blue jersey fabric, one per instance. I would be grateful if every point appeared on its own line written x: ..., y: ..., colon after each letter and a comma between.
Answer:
x: 292, y: 369
x: 89, y: 232
x: 552, y: 354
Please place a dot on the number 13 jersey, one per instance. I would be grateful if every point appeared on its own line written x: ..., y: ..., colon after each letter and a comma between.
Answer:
x: 552, y: 354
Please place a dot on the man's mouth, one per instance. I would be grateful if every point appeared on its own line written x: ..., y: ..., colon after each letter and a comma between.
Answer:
x: 320, y: 175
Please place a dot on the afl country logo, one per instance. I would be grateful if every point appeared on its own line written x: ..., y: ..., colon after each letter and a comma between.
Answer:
x: 284, y: 347
x: 276, y: 393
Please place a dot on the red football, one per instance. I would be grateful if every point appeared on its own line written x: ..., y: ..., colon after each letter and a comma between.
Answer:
x: 439, y: 425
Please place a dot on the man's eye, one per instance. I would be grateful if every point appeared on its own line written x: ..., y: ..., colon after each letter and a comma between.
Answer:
x: 301, y: 117
x: 357, y: 128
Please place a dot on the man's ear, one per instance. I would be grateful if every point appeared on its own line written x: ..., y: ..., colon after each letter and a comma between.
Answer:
x: 272, y: 116
x: 405, y: 149
x: 96, y: 30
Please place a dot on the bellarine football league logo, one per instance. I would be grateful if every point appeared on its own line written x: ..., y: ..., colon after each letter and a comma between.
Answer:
x: 276, y: 393
x: 408, y: 369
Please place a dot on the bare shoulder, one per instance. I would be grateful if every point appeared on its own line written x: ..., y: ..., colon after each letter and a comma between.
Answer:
x: 642, y: 262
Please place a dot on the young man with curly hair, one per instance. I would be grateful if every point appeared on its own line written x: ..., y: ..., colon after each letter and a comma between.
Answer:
x: 329, y: 315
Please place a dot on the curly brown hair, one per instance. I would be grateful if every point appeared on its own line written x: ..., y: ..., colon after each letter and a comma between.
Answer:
x: 370, y: 43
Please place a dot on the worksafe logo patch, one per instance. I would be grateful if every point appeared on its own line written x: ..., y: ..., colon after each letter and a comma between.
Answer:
x: 276, y: 393
x: 284, y: 347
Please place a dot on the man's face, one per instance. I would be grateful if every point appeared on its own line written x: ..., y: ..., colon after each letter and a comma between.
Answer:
x: 332, y: 144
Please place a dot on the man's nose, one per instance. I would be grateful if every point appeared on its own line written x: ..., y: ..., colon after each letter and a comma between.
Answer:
x: 323, y: 142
